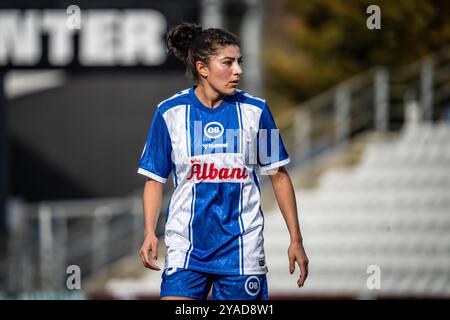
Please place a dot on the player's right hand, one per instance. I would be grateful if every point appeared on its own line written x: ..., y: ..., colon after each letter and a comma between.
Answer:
x: 150, y: 245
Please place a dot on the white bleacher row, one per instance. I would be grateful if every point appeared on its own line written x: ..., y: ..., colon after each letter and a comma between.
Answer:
x: 421, y: 145
x: 375, y: 227
x: 388, y: 178
x: 370, y: 200
x: 426, y: 133
x: 386, y: 243
x: 392, y: 211
x: 392, y: 285
x: 351, y: 264
x: 394, y: 155
x: 372, y: 222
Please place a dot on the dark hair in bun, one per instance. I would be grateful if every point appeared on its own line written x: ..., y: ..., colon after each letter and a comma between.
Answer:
x: 189, y: 43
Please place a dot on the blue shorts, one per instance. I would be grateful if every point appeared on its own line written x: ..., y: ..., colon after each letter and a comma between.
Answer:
x: 197, y: 285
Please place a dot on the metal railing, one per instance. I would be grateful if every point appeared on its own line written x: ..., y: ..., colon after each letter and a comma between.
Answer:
x: 46, y: 238
x: 374, y: 100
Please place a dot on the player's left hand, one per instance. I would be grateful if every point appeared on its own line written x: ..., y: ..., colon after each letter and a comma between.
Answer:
x: 296, y: 253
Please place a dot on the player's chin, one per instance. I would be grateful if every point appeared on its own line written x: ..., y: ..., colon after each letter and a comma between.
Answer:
x: 230, y: 90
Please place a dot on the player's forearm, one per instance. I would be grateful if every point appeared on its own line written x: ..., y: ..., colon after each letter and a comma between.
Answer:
x: 152, y: 198
x: 284, y: 193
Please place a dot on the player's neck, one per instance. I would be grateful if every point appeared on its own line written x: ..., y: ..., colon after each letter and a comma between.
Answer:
x: 208, y: 96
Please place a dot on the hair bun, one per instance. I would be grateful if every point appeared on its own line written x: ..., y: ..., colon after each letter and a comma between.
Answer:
x: 180, y: 37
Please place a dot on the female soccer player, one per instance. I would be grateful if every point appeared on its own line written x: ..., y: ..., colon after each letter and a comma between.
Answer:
x: 213, y: 137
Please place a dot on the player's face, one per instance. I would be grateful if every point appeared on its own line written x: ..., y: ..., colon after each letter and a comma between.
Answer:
x: 224, y: 70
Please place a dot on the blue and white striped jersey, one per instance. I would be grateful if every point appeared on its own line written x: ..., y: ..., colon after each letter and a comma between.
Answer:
x: 214, y: 221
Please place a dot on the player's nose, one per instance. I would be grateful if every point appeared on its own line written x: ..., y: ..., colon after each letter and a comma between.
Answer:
x: 237, y: 69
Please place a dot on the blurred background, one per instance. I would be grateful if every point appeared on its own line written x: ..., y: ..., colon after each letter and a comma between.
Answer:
x: 360, y: 91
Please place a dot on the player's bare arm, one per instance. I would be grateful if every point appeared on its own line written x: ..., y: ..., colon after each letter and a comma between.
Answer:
x: 153, y: 191
x: 284, y: 193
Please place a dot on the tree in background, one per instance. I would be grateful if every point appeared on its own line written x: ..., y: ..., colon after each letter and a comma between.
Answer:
x: 315, y: 44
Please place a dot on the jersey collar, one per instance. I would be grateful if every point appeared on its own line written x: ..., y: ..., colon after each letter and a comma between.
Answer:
x: 197, y: 103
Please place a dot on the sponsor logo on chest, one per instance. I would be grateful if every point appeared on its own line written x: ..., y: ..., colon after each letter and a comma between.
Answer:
x: 208, y: 171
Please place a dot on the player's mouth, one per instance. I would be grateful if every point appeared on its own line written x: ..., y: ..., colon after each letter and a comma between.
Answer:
x: 234, y: 83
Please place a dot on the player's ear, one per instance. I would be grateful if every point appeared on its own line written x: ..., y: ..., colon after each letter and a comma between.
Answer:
x: 202, y: 69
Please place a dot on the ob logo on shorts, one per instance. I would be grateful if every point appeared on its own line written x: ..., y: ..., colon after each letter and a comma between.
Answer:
x: 170, y: 271
x: 252, y: 285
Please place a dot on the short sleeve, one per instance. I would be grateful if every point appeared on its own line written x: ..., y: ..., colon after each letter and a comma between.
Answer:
x: 156, y: 158
x: 271, y: 151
